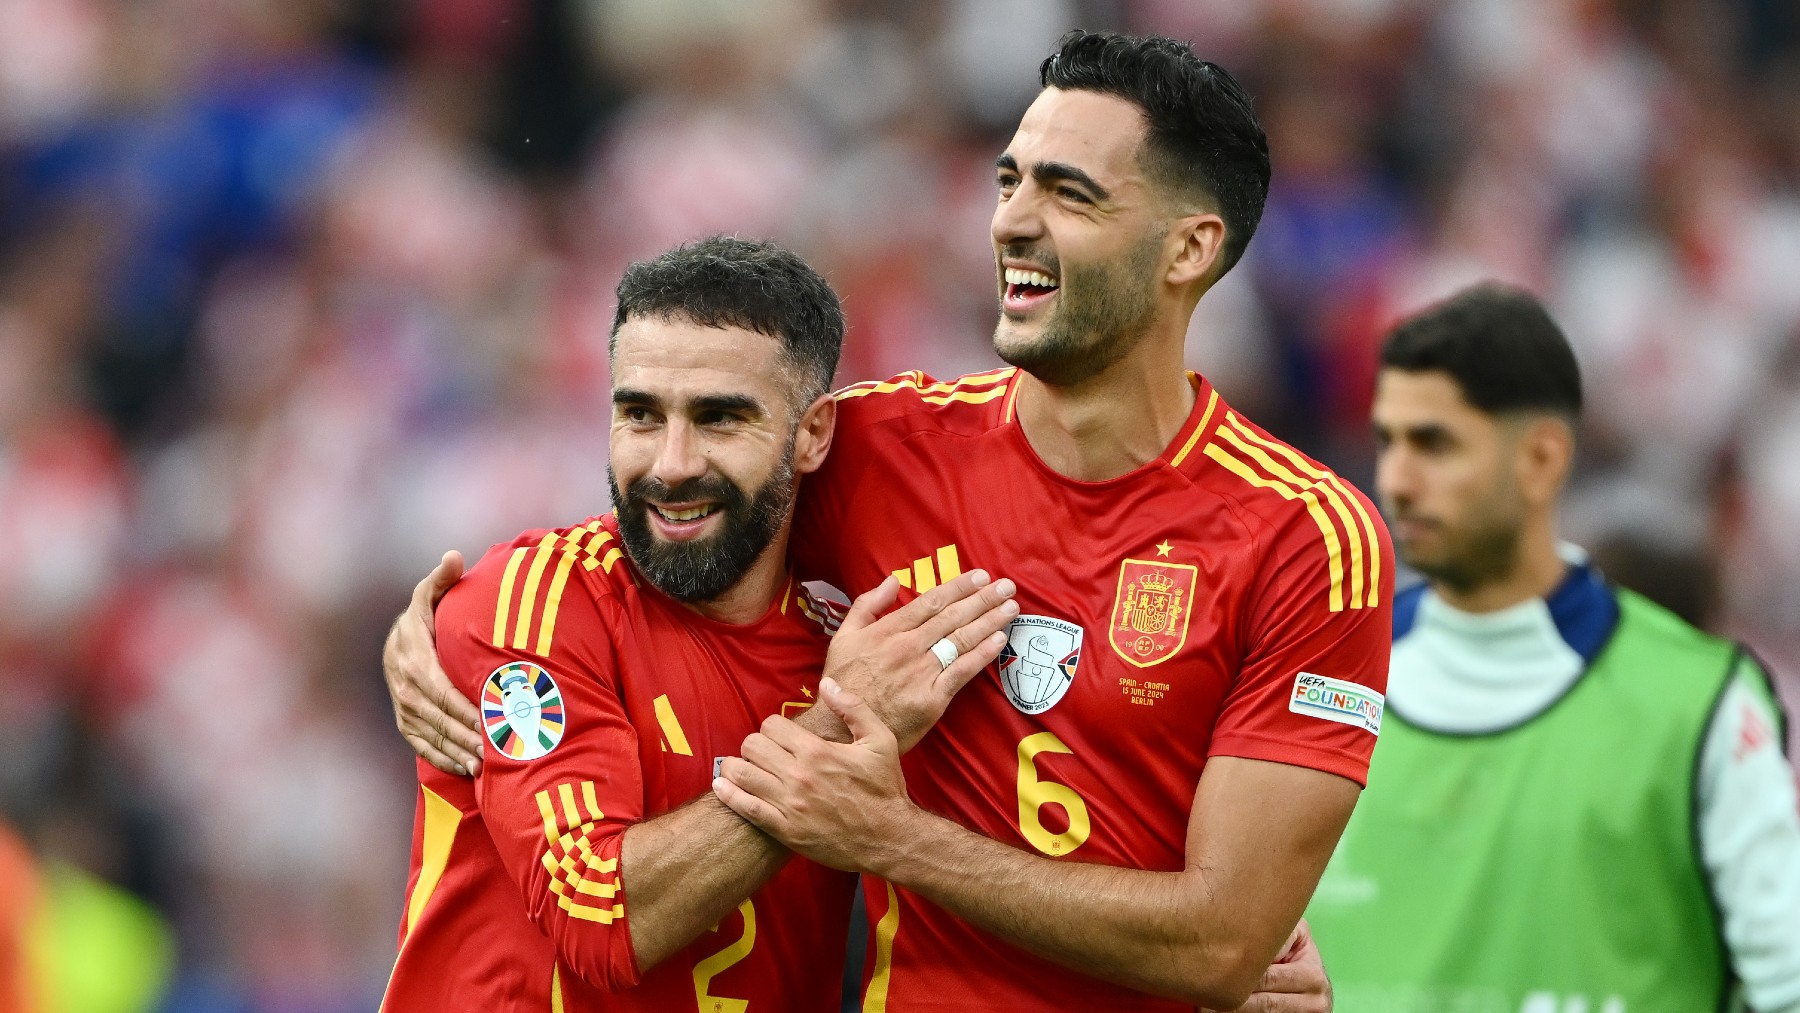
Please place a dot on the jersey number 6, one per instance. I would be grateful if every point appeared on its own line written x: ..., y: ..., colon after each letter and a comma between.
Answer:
x: 1034, y: 794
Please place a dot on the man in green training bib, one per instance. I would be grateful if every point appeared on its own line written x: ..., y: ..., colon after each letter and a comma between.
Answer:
x: 1579, y: 803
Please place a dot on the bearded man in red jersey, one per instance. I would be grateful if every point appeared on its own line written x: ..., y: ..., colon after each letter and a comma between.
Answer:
x: 587, y: 865
x: 1129, y: 811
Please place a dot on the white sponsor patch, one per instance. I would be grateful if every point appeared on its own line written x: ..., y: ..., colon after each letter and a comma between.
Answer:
x: 1336, y: 700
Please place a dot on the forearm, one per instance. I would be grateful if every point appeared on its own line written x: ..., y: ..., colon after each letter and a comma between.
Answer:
x: 1158, y: 932
x: 685, y: 870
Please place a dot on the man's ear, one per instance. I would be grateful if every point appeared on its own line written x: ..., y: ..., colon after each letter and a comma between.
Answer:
x: 812, y: 440
x: 1546, y: 456
x: 1199, y: 248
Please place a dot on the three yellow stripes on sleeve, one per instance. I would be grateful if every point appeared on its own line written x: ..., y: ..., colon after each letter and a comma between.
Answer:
x: 590, y: 545
x: 1266, y: 464
x: 578, y: 877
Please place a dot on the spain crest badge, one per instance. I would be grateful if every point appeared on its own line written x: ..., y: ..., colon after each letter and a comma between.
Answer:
x: 1150, y: 614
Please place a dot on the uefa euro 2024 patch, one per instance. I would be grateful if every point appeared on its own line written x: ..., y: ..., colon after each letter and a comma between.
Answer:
x: 1336, y: 700
x: 522, y: 710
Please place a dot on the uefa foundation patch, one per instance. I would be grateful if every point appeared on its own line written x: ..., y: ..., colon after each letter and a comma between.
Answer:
x: 1336, y: 700
x: 522, y: 710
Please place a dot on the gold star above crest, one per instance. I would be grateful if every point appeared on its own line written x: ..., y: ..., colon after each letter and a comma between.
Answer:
x: 808, y: 692
x: 1163, y: 547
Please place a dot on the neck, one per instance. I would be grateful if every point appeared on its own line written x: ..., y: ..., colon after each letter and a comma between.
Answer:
x: 1114, y: 422
x: 749, y: 599
x: 1534, y: 575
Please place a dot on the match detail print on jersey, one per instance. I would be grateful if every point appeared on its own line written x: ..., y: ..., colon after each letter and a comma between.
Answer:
x: 522, y: 710
x: 1347, y: 703
x: 1151, y: 610
x: 1037, y: 665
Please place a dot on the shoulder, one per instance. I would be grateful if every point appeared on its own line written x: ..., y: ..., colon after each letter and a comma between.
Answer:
x: 1305, y: 521
x: 1647, y: 626
x: 912, y: 401
x: 544, y: 584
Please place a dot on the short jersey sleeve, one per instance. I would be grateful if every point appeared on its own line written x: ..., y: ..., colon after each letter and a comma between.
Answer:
x: 1311, y: 688
x: 560, y: 777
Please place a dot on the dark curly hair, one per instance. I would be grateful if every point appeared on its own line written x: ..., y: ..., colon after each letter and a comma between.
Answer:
x: 1204, y: 139
x: 724, y: 281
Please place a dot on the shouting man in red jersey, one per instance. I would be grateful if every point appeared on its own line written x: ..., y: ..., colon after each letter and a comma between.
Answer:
x: 1130, y: 810
x: 615, y: 659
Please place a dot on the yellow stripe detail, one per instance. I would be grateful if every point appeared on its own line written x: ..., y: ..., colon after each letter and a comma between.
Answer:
x: 571, y: 815
x: 972, y: 397
x: 924, y: 578
x: 546, y: 810
x: 1368, y: 525
x: 876, y: 998
x: 915, y: 381
x: 556, y: 999
x: 948, y: 566
x: 504, y: 608
x: 592, y: 803
x: 441, y: 823
x: 1212, y: 401
x: 1012, y: 395
x: 1334, y: 554
x: 528, y: 600
x: 611, y: 557
x: 787, y: 591
x: 1352, y: 535
x: 904, y: 576
x: 553, y: 603
x: 665, y: 716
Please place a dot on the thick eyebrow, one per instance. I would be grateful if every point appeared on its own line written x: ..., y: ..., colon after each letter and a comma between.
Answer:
x: 742, y: 404
x: 1047, y: 173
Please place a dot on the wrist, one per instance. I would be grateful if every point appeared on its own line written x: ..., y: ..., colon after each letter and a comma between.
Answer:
x: 912, y: 834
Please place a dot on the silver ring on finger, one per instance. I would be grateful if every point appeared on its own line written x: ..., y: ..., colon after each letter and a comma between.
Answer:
x: 946, y: 653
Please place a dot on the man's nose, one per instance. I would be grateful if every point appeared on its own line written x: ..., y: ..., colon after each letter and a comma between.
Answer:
x: 680, y: 456
x: 1018, y: 219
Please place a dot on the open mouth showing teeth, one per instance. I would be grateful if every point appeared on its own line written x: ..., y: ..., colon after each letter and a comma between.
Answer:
x: 1020, y: 282
x: 690, y: 514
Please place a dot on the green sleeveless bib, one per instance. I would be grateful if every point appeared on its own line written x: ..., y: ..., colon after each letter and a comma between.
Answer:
x: 1547, y: 868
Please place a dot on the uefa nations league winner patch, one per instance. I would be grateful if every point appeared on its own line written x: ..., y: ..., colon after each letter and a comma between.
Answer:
x: 1336, y: 700
x: 522, y: 710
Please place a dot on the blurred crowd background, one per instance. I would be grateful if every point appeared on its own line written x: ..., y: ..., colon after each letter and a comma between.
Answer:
x: 296, y: 294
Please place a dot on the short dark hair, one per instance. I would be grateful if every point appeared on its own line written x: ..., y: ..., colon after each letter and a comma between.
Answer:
x: 1204, y: 137
x: 1500, y: 346
x: 724, y: 281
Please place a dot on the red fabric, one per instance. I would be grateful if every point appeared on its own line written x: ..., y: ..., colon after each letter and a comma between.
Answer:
x: 495, y: 930
x: 918, y: 466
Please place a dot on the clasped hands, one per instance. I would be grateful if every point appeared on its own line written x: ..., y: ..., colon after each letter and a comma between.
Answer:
x: 829, y: 784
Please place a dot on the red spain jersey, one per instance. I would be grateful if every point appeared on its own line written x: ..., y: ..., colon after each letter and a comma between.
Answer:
x: 604, y: 703
x: 1229, y: 598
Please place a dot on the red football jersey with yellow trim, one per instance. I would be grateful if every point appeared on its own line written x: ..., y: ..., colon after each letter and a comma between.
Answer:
x: 1229, y: 598
x: 604, y: 704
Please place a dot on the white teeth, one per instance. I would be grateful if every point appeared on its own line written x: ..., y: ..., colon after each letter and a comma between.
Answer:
x: 1015, y: 276
x: 685, y: 515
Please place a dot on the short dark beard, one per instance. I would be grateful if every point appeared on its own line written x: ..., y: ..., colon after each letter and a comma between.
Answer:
x: 1485, y: 554
x: 1103, y: 311
x: 704, y: 569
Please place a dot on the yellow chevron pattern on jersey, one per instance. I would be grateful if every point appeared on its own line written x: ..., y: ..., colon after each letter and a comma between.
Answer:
x: 927, y: 572
x: 590, y: 545
x: 577, y: 876
x: 976, y: 388
x: 1266, y: 464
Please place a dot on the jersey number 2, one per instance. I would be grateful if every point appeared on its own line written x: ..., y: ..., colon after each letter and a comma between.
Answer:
x: 1034, y: 794
x: 711, y: 967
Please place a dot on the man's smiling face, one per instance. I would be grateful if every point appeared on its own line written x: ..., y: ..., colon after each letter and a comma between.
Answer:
x: 702, y: 448
x: 1078, y: 242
